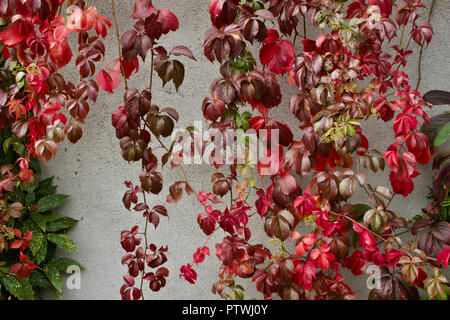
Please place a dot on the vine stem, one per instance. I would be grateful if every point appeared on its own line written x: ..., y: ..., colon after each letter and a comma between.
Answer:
x: 390, y: 200
x: 151, y: 70
x: 116, y: 25
x: 145, y: 251
x: 419, y: 72
x: 401, y: 39
x: 145, y: 199
x: 209, y: 237
x: 359, y: 224
x: 398, y: 234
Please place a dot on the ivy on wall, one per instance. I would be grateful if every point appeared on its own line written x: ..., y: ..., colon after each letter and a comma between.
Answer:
x: 33, y: 232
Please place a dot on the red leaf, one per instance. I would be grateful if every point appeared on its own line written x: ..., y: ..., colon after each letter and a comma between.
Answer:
x: 265, y: 14
x: 61, y: 53
x: 305, y: 274
x: 199, y: 255
x: 443, y: 257
x: 108, y: 81
x: 288, y: 184
x: 143, y: 9
x: 188, y: 273
x: 309, y: 45
x: 160, y: 210
x: 128, y: 68
x: 404, y: 123
x: 215, y: 8
x: 422, y: 31
x: 45, y: 149
x: 277, y: 56
x: 182, y: 51
x: 355, y: 263
x: 305, y: 245
x: 136, y: 293
x: 263, y: 203
x: 168, y: 20
x: 11, y: 36
x: 322, y: 257
x: 207, y: 221
x: 400, y: 184
x: 23, y: 268
x: 119, y: 117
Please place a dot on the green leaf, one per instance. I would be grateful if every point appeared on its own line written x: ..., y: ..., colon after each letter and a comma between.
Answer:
x: 238, y: 120
x: 17, y: 196
x: 30, y: 199
x: 63, y: 263
x: 351, y: 131
x: 443, y: 135
x: 165, y: 71
x: 30, y: 187
x: 42, y: 253
x: 46, y: 183
x: 35, y: 166
x: 38, y: 279
x: 30, y: 225
x: 54, y: 276
x: 39, y: 220
x: 20, y: 76
x: 50, y: 202
x: 61, y: 224
x: 19, y: 148
x: 361, y: 209
x: 238, y: 295
x: 58, y: 294
x: 45, y: 188
x: 354, y: 122
x: 51, y: 248
x: 36, y: 242
x: 4, y: 270
x: 63, y: 241
x: 52, y: 216
x: 54, y: 267
x: 7, y: 143
x: 20, y: 288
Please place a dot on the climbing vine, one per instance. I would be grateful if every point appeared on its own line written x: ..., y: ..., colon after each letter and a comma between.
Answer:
x: 333, y: 154
x: 138, y: 122
x: 351, y: 73
x: 39, y: 108
x: 343, y: 78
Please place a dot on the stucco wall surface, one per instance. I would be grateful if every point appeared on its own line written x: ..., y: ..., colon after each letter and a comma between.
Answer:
x: 93, y: 171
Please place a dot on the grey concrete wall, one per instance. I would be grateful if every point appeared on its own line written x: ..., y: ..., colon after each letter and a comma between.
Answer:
x: 93, y: 171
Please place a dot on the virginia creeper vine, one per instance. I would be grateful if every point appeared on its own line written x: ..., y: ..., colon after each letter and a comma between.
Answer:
x: 342, y: 79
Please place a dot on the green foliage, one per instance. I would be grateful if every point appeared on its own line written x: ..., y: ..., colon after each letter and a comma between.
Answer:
x: 62, y: 241
x: 49, y: 230
x: 360, y: 210
x: 50, y: 202
x: 233, y: 292
x: 242, y: 120
x: 242, y: 64
x: 443, y: 135
x: 20, y: 288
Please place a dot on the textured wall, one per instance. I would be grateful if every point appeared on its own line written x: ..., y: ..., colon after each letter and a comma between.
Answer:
x: 93, y: 171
